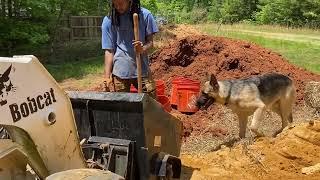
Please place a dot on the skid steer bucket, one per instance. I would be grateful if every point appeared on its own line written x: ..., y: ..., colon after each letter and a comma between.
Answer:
x: 127, y: 116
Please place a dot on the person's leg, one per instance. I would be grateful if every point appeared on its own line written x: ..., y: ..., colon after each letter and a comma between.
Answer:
x: 149, y: 87
x: 121, y: 85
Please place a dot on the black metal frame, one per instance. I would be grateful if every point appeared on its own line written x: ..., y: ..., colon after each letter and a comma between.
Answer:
x: 115, y: 155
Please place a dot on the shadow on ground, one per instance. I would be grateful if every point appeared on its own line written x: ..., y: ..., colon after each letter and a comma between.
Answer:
x: 187, y: 172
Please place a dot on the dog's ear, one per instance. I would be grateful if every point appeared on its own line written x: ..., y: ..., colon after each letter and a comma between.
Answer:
x: 213, y: 81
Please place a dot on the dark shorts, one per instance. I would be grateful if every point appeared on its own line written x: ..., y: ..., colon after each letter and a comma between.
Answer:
x: 123, y: 85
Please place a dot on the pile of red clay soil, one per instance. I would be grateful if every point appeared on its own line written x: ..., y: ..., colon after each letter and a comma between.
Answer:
x: 194, y: 56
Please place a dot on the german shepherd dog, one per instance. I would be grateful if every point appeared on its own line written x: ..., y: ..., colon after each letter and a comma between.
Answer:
x: 252, y: 96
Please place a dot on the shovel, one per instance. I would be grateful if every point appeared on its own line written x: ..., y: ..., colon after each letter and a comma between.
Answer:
x: 138, y: 59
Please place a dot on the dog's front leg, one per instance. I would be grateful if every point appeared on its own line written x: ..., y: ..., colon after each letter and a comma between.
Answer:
x: 243, y: 119
x: 257, y: 116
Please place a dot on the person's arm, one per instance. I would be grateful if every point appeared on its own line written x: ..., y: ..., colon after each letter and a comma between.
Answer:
x: 149, y: 44
x: 151, y: 28
x: 107, y: 41
x: 108, y: 59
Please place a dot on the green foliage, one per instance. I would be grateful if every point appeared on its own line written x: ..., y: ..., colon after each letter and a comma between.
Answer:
x: 15, y: 32
x: 76, y: 51
x: 22, y: 32
x: 77, y: 69
x: 150, y: 5
x: 283, y: 12
x: 290, y: 12
x: 237, y: 10
x: 214, y: 11
x: 88, y: 7
x: 34, y: 23
x: 197, y: 15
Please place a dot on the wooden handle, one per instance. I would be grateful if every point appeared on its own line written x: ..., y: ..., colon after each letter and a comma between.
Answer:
x: 136, y: 26
x: 138, y: 59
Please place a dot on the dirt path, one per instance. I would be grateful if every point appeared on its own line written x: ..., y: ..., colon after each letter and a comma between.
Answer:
x: 88, y: 82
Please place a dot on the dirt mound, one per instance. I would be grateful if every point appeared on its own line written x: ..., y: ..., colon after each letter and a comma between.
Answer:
x: 294, y: 154
x: 194, y: 56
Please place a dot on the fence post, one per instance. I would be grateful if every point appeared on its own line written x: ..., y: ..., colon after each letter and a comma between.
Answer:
x: 71, y: 28
x: 84, y: 27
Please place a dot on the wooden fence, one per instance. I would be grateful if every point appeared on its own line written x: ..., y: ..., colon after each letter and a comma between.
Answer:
x: 80, y: 28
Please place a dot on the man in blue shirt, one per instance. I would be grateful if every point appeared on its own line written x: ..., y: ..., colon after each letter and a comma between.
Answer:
x: 120, y: 47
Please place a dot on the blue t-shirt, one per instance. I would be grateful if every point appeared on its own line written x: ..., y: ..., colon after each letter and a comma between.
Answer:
x: 120, y: 39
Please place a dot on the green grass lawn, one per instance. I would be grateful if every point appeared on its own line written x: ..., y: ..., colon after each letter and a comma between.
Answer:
x: 77, y: 69
x: 264, y: 28
x: 300, y: 47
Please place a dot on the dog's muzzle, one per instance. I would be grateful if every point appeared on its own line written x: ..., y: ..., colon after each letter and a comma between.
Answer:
x: 204, y: 101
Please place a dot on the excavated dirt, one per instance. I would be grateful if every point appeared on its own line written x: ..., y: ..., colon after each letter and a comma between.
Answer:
x: 294, y: 154
x: 194, y: 56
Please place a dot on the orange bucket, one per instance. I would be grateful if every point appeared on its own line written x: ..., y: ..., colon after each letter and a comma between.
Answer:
x: 160, y: 88
x: 133, y: 89
x: 174, y: 91
x: 187, y: 96
x: 164, y: 100
x: 176, y: 81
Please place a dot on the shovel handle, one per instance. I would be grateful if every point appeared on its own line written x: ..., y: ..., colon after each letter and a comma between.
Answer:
x: 138, y: 59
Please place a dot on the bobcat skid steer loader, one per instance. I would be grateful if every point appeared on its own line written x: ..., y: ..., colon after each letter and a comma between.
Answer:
x: 124, y: 135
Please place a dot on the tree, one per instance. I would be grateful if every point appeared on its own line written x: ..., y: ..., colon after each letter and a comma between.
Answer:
x: 237, y: 10
x: 35, y: 22
x: 214, y: 10
x: 290, y: 13
x: 150, y: 5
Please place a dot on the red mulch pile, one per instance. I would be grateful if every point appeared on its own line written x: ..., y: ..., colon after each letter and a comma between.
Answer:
x: 195, y: 56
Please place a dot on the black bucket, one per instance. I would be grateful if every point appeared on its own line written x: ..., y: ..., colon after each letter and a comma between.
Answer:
x: 130, y: 116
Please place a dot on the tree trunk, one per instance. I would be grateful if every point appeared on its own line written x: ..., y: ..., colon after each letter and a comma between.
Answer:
x: 56, y: 25
x: 16, y: 8
x: 3, y: 8
x: 9, y: 8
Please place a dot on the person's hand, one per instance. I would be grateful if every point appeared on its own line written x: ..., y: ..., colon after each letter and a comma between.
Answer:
x: 107, y: 82
x: 138, y: 46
